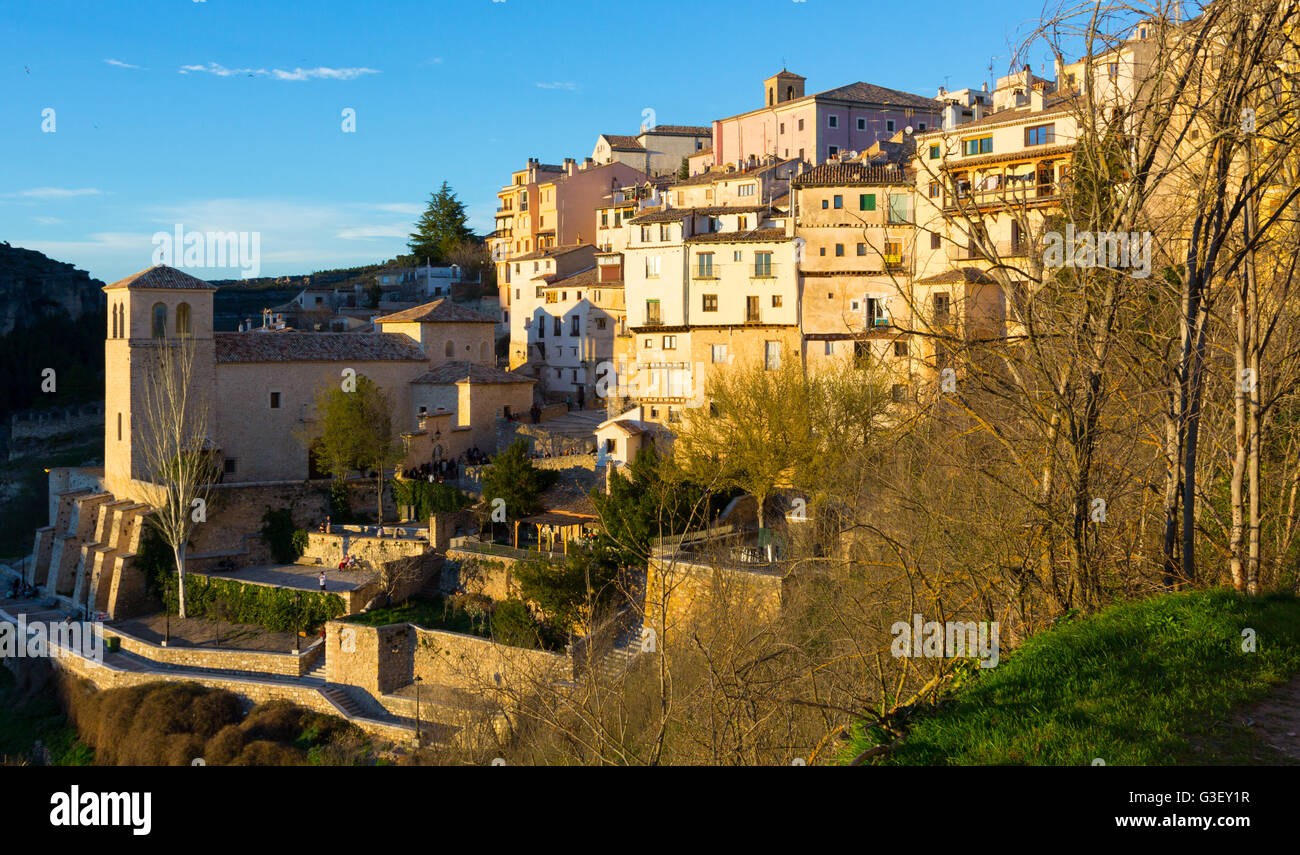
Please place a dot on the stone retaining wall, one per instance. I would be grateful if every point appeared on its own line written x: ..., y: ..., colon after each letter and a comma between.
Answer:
x: 261, y: 661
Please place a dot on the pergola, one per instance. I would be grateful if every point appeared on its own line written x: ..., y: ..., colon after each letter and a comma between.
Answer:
x: 565, y: 525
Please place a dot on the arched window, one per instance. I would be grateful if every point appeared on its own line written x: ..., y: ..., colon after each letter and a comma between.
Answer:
x: 159, y: 320
x: 449, y: 351
x: 113, y: 328
x: 183, y: 320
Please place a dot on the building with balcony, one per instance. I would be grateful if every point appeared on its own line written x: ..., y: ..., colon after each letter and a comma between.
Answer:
x: 856, y: 239
x: 704, y: 285
x: 547, y: 207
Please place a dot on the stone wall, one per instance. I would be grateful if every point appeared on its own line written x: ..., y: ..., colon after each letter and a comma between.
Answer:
x: 375, y: 658
x: 45, y: 424
x: 253, y: 691
x: 475, y: 664
x: 252, y: 661
x: 680, y: 593
x: 381, y: 659
x: 235, y: 512
x: 474, y: 573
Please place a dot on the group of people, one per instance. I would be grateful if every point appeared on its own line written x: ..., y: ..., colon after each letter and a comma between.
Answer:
x: 349, y: 562
x: 542, y: 454
x: 436, y: 470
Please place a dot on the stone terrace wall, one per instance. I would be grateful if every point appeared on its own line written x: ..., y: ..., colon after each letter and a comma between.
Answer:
x: 475, y: 573
x: 235, y: 511
x: 291, y: 664
x: 381, y: 659
x: 678, y: 592
x: 252, y: 691
x: 477, y: 664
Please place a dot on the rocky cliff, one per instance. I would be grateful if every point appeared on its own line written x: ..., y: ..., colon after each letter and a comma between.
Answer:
x: 32, y: 286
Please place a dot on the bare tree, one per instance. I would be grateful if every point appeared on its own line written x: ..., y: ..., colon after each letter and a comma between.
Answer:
x: 174, y: 444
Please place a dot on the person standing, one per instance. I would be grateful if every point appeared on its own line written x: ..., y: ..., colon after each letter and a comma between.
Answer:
x: 322, y: 581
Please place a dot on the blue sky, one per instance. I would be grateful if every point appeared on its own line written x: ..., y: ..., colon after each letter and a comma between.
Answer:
x: 226, y: 116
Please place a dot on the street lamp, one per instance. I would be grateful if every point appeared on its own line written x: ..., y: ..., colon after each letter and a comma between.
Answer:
x: 418, y: 680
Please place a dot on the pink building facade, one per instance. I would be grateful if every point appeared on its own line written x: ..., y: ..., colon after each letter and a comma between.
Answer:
x: 819, y: 127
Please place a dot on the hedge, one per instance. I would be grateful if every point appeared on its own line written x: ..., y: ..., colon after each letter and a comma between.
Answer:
x: 273, y: 608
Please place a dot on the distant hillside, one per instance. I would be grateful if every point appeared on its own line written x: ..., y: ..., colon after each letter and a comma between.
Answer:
x: 33, y: 286
x: 237, y: 299
x: 52, y: 316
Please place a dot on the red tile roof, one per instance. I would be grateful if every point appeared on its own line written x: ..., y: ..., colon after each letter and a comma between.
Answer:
x: 162, y: 277
x: 294, y: 346
x: 442, y: 311
x: 458, y: 371
x: 852, y: 173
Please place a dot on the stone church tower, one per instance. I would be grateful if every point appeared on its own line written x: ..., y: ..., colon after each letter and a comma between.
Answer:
x: 145, y: 311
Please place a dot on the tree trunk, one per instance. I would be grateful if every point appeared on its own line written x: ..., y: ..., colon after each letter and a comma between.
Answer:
x: 379, y: 496
x: 179, y: 553
x: 1241, y: 393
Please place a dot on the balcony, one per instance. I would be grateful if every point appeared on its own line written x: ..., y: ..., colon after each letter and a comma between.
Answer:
x: 1012, y: 194
x: 999, y: 250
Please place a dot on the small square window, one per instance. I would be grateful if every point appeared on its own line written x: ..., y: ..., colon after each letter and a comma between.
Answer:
x: 776, y: 301
x: 862, y: 124
x: 275, y: 400
x: 889, y: 125
x: 228, y: 466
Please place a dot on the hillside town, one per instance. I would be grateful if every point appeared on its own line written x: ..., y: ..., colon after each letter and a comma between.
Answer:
x: 852, y: 360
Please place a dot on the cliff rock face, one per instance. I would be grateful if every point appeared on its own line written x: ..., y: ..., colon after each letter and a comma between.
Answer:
x: 32, y: 285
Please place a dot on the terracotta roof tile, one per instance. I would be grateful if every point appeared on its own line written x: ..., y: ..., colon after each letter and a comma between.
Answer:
x: 451, y: 373
x: 163, y: 277
x: 294, y: 346
x: 851, y: 173
x: 442, y: 311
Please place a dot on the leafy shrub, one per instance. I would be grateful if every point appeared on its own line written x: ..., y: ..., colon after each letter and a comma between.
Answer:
x: 514, y: 624
x: 277, y: 609
x: 171, y: 724
x: 429, y: 498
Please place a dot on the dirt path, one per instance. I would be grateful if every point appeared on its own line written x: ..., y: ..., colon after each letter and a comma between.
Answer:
x: 1276, y: 719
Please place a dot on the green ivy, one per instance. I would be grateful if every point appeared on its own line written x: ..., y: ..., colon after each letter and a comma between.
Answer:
x: 277, y: 609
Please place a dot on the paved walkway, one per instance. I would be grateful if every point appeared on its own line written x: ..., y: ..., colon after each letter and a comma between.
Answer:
x: 300, y: 577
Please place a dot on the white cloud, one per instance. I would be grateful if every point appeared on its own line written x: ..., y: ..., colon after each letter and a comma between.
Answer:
x: 120, y: 64
x: 318, y: 73
x: 56, y: 192
x: 48, y: 221
x: 567, y: 86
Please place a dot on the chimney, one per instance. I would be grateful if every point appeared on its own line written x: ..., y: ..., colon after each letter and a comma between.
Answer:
x: 948, y: 116
x: 1036, y: 99
x: 977, y: 110
x: 568, y: 165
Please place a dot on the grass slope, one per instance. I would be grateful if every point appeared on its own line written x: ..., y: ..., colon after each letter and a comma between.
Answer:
x: 1150, y: 682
